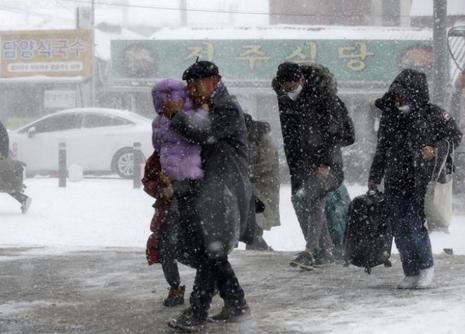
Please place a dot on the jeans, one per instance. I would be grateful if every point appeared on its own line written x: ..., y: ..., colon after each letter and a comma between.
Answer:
x: 410, y: 234
x: 309, y: 204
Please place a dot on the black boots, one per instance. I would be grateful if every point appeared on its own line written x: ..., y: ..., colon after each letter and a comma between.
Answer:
x: 232, y: 314
x: 175, y: 296
x: 187, y: 322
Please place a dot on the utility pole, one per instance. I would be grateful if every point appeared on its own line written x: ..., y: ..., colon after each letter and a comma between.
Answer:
x: 183, y: 12
x: 94, y: 59
x: 125, y: 14
x: 440, y: 56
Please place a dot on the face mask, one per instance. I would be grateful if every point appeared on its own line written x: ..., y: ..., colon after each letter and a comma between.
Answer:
x: 294, y: 94
x: 404, y: 109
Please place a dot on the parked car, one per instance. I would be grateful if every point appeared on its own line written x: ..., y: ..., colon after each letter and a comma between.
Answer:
x: 97, y: 139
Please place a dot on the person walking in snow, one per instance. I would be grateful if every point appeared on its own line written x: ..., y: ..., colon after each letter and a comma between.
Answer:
x: 315, y: 124
x: 264, y: 175
x: 18, y: 195
x: 217, y: 213
x: 413, y: 133
x: 180, y: 169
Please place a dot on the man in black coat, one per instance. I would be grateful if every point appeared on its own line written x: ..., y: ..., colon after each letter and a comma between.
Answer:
x: 22, y: 198
x: 217, y: 213
x: 4, y: 142
x: 315, y: 124
x: 413, y: 135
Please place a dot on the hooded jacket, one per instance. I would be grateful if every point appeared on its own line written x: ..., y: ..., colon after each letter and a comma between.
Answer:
x: 402, y: 135
x: 4, y: 142
x: 314, y: 126
x: 179, y: 159
x: 264, y: 170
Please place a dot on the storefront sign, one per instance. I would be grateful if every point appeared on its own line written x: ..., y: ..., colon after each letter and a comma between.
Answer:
x: 56, y: 99
x: 257, y: 60
x: 46, y: 52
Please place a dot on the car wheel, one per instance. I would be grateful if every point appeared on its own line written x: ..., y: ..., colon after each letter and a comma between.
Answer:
x: 123, y: 163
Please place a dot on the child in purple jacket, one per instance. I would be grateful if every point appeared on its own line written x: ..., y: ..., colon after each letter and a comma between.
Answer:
x: 179, y: 159
x: 181, y: 162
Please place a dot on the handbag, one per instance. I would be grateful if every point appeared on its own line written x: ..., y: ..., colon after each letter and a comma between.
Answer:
x: 438, y: 199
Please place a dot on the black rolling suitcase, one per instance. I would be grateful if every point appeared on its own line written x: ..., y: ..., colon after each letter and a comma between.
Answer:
x: 368, y: 237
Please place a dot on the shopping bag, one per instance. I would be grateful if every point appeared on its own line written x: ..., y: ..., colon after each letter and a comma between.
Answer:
x: 438, y: 205
x: 438, y: 199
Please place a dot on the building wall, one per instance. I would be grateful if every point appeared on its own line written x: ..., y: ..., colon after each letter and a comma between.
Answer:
x: 340, y: 12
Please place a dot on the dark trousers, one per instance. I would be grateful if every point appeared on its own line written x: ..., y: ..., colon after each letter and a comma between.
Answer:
x: 20, y: 197
x: 410, y: 234
x: 171, y: 273
x: 173, y: 246
x: 213, y: 273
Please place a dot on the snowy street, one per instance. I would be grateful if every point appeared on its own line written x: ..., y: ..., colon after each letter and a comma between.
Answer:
x: 75, y: 263
x: 97, y: 213
x: 114, y: 291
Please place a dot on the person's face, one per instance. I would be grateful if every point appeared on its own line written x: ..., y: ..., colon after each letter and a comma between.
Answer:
x: 172, y: 105
x: 400, y: 100
x: 289, y: 86
x: 202, y: 89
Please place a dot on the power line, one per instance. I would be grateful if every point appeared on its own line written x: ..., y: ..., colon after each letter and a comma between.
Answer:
x: 100, y: 3
x: 23, y: 11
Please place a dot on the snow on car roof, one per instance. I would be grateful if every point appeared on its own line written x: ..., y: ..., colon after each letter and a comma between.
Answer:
x: 107, y: 111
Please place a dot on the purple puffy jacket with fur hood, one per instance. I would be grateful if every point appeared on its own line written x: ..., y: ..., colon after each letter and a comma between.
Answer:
x: 179, y: 159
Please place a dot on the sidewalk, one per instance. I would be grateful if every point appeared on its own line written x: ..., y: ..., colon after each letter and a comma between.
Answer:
x: 114, y: 291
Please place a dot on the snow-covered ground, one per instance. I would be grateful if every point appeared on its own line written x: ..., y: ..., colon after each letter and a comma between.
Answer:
x: 106, y: 212
x: 97, y: 213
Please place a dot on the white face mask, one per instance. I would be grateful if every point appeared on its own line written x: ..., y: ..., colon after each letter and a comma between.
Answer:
x: 294, y: 94
x: 404, y: 109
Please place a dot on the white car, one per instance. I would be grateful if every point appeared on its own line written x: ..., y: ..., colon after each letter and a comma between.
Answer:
x: 97, y: 139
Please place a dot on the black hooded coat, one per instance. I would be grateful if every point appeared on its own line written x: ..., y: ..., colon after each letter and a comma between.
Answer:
x: 4, y: 141
x: 315, y: 126
x: 224, y: 200
x: 402, y: 135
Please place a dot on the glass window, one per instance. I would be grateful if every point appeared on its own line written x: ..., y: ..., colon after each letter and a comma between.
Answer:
x: 96, y: 121
x: 57, y: 123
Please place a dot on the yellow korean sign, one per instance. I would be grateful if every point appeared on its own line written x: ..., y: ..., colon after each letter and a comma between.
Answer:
x: 46, y: 52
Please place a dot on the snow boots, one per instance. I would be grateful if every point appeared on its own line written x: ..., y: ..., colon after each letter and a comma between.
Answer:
x: 175, y: 296
x: 187, y: 322
x: 304, y: 260
x: 231, y: 314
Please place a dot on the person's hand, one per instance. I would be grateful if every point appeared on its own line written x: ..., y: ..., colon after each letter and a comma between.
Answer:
x: 205, y: 107
x: 372, y: 185
x: 167, y: 192
x: 427, y: 152
x: 323, y: 170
